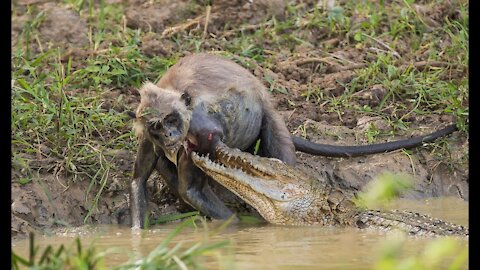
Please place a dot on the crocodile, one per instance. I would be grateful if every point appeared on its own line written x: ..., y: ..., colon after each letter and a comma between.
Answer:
x: 287, y: 196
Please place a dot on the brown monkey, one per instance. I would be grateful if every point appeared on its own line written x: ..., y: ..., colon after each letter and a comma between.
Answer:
x: 205, y: 98
x: 238, y: 111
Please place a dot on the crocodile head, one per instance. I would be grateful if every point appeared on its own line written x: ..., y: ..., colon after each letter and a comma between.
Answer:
x: 281, y: 194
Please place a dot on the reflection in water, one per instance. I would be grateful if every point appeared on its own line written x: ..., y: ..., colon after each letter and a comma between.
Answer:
x: 136, y: 243
x: 266, y: 246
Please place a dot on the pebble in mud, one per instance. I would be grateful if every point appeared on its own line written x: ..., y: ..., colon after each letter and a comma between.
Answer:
x: 19, y: 208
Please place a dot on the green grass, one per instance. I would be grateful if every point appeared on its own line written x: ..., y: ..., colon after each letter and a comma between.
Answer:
x: 411, y: 90
x: 59, y: 104
x: 74, y: 256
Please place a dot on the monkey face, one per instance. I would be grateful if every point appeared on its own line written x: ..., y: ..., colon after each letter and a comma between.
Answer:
x: 163, y: 115
x: 168, y: 132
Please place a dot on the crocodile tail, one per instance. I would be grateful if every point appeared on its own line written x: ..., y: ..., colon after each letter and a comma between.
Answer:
x: 410, y: 222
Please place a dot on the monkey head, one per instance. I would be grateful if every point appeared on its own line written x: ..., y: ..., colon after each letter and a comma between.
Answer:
x: 163, y: 117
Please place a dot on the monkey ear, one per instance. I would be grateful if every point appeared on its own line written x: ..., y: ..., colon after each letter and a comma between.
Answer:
x: 187, y: 98
x: 149, y: 90
x: 148, y: 93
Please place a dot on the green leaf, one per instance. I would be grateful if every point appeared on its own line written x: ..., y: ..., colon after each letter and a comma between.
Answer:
x: 92, y: 69
x: 24, y: 180
x: 118, y: 72
x: 391, y: 71
x: 358, y: 36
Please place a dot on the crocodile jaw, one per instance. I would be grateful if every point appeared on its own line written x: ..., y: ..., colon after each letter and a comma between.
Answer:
x: 250, y: 189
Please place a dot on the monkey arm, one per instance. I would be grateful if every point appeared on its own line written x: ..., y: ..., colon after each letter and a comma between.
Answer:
x: 194, y: 189
x: 168, y: 171
x: 362, y: 150
x: 144, y: 165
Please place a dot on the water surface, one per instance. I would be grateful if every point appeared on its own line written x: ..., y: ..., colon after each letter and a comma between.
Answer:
x: 264, y: 246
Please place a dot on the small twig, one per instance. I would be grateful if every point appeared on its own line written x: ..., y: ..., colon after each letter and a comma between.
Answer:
x: 291, y: 114
x: 396, y: 54
x: 418, y: 65
x: 358, y: 93
x: 332, y: 68
x: 433, y: 171
x: 56, y: 171
x: 245, y: 28
x: 376, y: 50
x: 335, y: 69
x: 339, y: 58
x: 425, y: 64
x: 207, y: 18
x: 168, y: 32
x: 124, y: 20
x: 181, y: 27
x: 305, y: 61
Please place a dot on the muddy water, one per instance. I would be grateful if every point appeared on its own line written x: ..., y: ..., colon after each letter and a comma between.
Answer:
x: 266, y: 246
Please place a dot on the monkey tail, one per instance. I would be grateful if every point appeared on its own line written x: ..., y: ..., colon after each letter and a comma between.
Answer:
x: 362, y: 150
x: 275, y: 138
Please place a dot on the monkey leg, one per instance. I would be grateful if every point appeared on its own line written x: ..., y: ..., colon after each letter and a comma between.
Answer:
x: 143, y: 168
x: 275, y: 139
x: 194, y: 189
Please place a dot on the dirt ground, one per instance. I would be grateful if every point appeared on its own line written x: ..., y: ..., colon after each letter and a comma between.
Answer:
x: 51, y: 203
